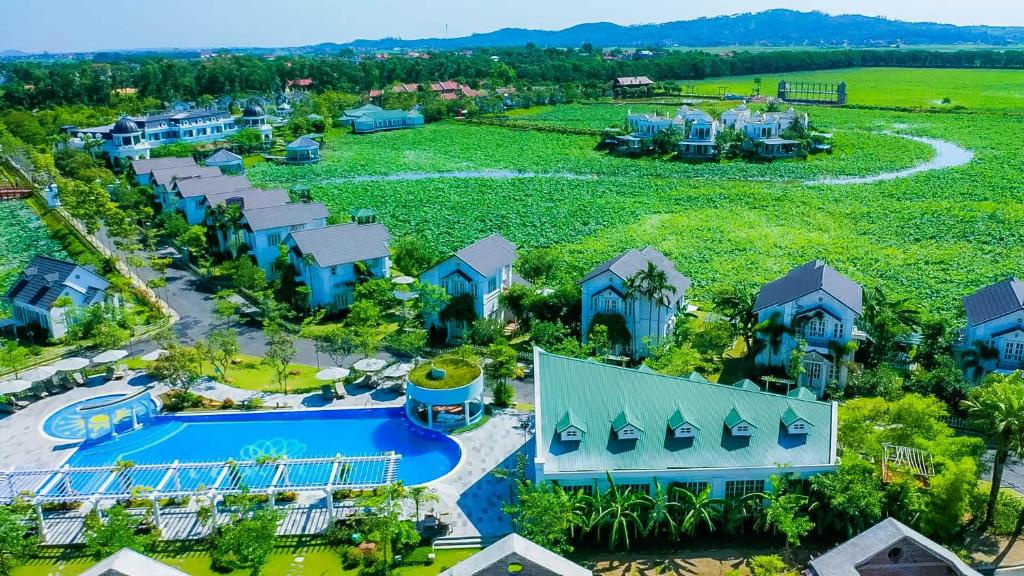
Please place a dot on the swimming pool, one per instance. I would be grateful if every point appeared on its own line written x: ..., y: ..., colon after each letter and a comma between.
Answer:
x: 426, y: 455
x: 77, y: 421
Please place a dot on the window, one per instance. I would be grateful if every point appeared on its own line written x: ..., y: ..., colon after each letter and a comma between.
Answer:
x: 814, y: 371
x: 334, y: 270
x: 684, y: 431
x: 634, y: 488
x: 798, y: 427
x: 628, y: 433
x: 274, y: 239
x: 1014, y: 351
x: 741, y: 429
x: 694, y: 488
x: 814, y: 328
x: 492, y: 283
x: 741, y: 488
x: 341, y: 301
x: 833, y: 371
x: 571, y: 435
x: 611, y: 305
x: 838, y: 330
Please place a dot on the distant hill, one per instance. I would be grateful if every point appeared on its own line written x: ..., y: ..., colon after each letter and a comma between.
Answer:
x: 771, y: 28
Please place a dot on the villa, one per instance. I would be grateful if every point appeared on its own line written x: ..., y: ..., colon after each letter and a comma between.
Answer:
x: 818, y: 305
x: 188, y: 194
x: 264, y: 229
x: 605, y: 295
x: 254, y: 118
x: 514, y: 554
x: 162, y: 180
x: 142, y: 170
x: 482, y: 270
x: 763, y: 131
x: 369, y: 118
x: 701, y: 132
x: 302, y: 150
x: 638, y: 426
x: 34, y: 294
x: 326, y: 260
x: 995, y: 319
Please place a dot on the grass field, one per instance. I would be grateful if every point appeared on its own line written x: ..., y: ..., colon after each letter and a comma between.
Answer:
x: 23, y: 237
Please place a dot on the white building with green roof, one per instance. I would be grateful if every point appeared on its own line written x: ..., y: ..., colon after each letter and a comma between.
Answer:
x: 596, y: 419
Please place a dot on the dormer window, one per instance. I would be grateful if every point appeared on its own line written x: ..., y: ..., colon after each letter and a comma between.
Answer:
x: 680, y: 427
x: 625, y: 427
x: 569, y: 428
x: 737, y: 424
x: 794, y: 423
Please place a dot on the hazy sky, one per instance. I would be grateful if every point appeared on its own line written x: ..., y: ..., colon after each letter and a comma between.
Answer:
x: 82, y: 25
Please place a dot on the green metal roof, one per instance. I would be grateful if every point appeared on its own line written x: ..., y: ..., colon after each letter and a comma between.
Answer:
x: 645, y: 368
x: 789, y: 417
x: 695, y: 376
x: 734, y: 417
x: 591, y: 395
x: 747, y: 384
x: 622, y: 420
x: 677, y: 419
x: 362, y: 213
x: 567, y: 421
x: 803, y: 393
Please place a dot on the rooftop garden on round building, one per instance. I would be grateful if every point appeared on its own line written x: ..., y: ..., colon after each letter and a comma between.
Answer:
x: 445, y: 373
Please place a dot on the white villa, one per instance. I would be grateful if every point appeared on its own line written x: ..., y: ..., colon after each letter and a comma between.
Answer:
x: 604, y: 293
x: 995, y: 318
x: 483, y: 270
x: 763, y: 130
x: 45, y: 280
x: 326, y: 259
x: 265, y: 229
x: 815, y: 303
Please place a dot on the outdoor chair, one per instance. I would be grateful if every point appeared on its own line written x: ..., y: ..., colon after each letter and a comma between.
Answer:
x: 339, y: 391
x: 77, y: 379
x: 52, y: 387
x: 327, y: 392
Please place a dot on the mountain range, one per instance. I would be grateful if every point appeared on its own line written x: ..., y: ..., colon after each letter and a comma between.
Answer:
x: 770, y: 28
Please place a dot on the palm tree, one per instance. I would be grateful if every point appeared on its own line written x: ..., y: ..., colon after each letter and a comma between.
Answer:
x: 737, y: 305
x: 596, y: 508
x: 652, y: 284
x: 579, y: 505
x: 774, y: 330
x: 632, y: 289
x: 698, y: 510
x: 661, y: 511
x: 421, y: 495
x: 622, y: 513
x: 973, y: 359
x: 886, y: 320
x: 996, y: 409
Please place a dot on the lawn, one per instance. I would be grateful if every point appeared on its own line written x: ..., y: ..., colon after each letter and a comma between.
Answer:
x: 315, y: 561
x: 457, y: 373
x: 248, y: 373
x: 933, y: 237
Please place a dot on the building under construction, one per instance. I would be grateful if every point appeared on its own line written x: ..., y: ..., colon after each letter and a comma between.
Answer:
x: 813, y: 92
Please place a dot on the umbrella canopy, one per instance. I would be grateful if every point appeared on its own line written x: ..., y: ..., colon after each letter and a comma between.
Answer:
x: 404, y: 280
x: 71, y: 364
x: 154, y: 355
x: 110, y: 356
x: 369, y: 365
x: 333, y: 373
x: 14, y: 386
x: 404, y: 296
x: 37, y: 374
x: 397, y: 370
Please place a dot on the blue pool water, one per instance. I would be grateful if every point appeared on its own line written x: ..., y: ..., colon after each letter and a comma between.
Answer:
x: 426, y: 454
x: 68, y: 423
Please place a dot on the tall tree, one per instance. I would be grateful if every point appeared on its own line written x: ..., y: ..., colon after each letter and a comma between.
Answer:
x: 737, y: 305
x: 280, y: 352
x: 622, y: 513
x: 996, y: 409
x: 774, y: 331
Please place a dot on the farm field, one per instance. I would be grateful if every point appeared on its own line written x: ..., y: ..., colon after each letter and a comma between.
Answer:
x: 24, y: 236
x: 935, y: 236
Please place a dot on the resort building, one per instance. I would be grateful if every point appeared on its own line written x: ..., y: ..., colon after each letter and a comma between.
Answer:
x: 127, y: 562
x: 514, y: 554
x: 331, y: 260
x: 370, y: 118
x: 649, y: 125
x: 818, y: 305
x: 302, y: 150
x: 995, y: 321
x: 595, y: 419
x: 188, y: 194
x: 264, y: 229
x: 249, y: 198
x: 481, y: 271
x: 763, y: 131
x: 162, y: 180
x: 142, y: 170
x: 653, y: 317
x: 131, y: 138
x: 44, y: 280
x: 701, y: 131
x: 890, y: 548
x: 228, y: 162
x: 254, y: 118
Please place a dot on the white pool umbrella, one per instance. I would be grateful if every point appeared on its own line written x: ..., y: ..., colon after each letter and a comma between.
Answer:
x: 404, y: 280
x: 331, y: 374
x: 110, y: 356
x: 154, y: 355
x: 71, y: 364
x: 14, y: 386
x: 38, y: 374
x: 397, y: 370
x: 369, y: 364
x: 404, y: 296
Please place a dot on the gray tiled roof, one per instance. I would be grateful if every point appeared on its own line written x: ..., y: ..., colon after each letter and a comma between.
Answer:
x: 803, y: 280
x: 251, y: 198
x: 127, y: 562
x: 629, y: 263
x: 223, y: 157
x: 303, y: 142
x: 147, y: 166
x: 163, y: 176
x: 343, y: 243
x: 41, y: 282
x: 514, y: 549
x: 286, y: 215
x: 193, y: 187
x: 843, y: 560
x: 489, y: 255
x: 994, y: 301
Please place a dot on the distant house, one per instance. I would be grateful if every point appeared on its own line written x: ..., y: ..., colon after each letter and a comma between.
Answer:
x: 605, y: 294
x: 142, y: 170
x: 815, y: 303
x: 127, y: 562
x: 228, y: 162
x: 482, y: 270
x: 265, y: 229
x: 890, y: 548
x: 180, y: 106
x: 595, y: 420
x: 301, y: 83
x: 254, y: 118
x: 162, y: 181
x: 632, y: 86
x: 370, y: 118
x: 302, y: 150
x: 189, y: 194
x: 46, y: 279
x: 995, y: 319
x: 763, y: 132
x: 326, y: 260
x: 701, y: 131
x: 514, y: 554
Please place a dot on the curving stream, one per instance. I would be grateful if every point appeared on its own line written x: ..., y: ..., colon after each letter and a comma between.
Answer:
x: 947, y: 155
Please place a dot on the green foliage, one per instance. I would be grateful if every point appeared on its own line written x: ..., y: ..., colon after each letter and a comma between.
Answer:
x: 547, y: 334
x: 768, y: 566
x: 537, y: 265
x: 379, y: 291
x: 412, y: 255
x: 502, y: 368
x: 615, y: 327
x: 16, y: 545
x: 996, y: 409
x: 544, y: 515
x: 486, y: 331
x: 850, y: 499
x: 117, y: 530
x: 280, y: 352
x: 673, y: 359
x: 179, y: 368
x: 246, y: 542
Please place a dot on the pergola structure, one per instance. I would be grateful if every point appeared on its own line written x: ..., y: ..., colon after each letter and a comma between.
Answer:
x: 101, y: 484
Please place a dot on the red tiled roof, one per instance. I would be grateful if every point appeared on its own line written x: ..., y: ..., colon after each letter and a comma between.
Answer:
x: 301, y: 82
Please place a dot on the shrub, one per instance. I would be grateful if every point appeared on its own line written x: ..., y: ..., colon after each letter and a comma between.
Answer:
x: 339, y: 534
x: 351, y: 558
x: 768, y: 566
x: 254, y: 403
x: 227, y: 404
x: 486, y: 331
